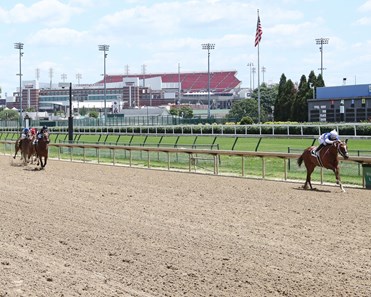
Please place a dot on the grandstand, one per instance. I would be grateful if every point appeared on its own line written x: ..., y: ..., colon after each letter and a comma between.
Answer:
x: 190, y: 82
x: 135, y: 90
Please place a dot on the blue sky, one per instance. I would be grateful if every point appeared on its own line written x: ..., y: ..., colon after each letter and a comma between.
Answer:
x: 64, y: 35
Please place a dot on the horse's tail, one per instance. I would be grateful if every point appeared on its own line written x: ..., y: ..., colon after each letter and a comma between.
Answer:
x: 300, y: 160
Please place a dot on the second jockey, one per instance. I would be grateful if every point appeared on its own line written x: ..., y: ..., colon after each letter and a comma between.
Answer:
x: 25, y: 133
x: 33, y: 132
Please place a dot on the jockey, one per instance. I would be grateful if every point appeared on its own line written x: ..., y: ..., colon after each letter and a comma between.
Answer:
x: 40, y: 133
x: 33, y: 132
x: 25, y: 133
x: 325, y: 139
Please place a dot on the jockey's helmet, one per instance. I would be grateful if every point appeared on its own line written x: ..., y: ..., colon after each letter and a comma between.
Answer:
x: 333, y: 134
x: 25, y: 130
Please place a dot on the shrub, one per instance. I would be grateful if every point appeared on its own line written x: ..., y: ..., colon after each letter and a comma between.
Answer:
x: 246, y: 121
x: 228, y: 130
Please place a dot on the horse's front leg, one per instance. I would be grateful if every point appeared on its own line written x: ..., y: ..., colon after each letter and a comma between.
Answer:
x: 42, y: 162
x: 338, y: 181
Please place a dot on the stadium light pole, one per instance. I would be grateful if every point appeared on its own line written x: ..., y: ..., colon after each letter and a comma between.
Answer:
x: 253, y: 77
x: 250, y: 65
x: 321, y: 41
x: 104, y: 48
x: 263, y: 71
x: 208, y: 47
x: 19, y: 46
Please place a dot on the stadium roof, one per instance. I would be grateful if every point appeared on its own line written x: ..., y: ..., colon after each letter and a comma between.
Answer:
x: 220, y: 81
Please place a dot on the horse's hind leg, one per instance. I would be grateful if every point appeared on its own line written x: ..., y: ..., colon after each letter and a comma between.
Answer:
x: 308, y: 180
x: 16, y: 148
x: 15, y: 154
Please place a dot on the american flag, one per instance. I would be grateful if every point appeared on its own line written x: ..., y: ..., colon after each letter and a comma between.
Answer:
x: 259, y: 32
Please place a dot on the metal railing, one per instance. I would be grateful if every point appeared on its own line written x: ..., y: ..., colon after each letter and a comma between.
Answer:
x: 115, y: 154
x: 264, y: 130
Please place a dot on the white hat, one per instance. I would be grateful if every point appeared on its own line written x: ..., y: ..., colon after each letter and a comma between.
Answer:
x: 333, y: 134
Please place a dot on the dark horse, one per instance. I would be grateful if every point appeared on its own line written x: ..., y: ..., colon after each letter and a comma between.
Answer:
x: 328, y: 158
x: 41, y: 148
x: 25, y: 146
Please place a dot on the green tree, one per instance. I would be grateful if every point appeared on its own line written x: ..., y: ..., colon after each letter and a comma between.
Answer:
x: 299, y: 109
x: 243, y: 108
x: 93, y: 114
x: 315, y: 82
x: 268, y: 97
x: 291, y: 101
x: 183, y: 111
x: 9, y: 115
x: 320, y: 81
x: 290, y: 91
x: 83, y: 111
x: 312, y: 79
x: 246, y: 121
x: 279, y: 103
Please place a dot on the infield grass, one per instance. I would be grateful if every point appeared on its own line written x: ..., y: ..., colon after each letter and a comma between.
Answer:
x: 351, y: 173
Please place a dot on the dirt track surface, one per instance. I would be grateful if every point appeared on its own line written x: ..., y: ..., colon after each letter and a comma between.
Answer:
x: 92, y: 230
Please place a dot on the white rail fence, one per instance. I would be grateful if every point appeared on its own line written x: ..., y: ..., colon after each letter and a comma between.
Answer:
x: 265, y: 130
x: 114, y: 154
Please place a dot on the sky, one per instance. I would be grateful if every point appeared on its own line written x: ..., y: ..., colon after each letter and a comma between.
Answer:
x: 64, y: 35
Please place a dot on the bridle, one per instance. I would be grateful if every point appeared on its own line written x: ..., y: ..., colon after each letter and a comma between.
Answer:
x: 46, y: 137
x: 338, y: 146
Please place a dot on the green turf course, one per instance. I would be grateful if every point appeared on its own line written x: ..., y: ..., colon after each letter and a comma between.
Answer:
x: 350, y: 172
x: 266, y: 144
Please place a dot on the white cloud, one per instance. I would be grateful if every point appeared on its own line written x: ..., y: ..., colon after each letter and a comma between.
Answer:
x: 87, y: 3
x: 292, y: 30
x: 49, y: 12
x: 365, y: 7
x: 58, y: 36
x: 172, y: 17
x: 364, y: 21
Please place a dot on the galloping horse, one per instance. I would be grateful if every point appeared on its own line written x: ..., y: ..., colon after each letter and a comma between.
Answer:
x: 328, y: 158
x: 41, y: 148
x: 25, y: 146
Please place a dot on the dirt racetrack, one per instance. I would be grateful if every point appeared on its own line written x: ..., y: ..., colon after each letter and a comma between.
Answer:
x: 79, y: 229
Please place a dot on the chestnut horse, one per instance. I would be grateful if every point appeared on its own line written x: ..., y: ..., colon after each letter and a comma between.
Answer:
x: 41, y: 148
x: 25, y: 146
x: 328, y: 158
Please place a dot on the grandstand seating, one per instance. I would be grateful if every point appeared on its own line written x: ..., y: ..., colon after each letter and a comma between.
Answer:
x: 191, y: 82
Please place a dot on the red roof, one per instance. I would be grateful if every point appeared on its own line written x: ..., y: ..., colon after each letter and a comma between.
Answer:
x: 222, y: 81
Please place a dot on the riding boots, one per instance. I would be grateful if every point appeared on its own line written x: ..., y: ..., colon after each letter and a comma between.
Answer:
x: 316, y: 151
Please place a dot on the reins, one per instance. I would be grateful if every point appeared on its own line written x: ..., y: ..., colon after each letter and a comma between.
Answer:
x: 338, y: 145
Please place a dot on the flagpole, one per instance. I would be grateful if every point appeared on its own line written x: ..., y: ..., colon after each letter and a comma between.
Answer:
x: 258, y: 80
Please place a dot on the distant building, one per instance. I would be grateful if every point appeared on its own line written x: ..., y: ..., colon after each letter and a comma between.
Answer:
x: 188, y: 87
x: 132, y: 91
x: 348, y: 103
